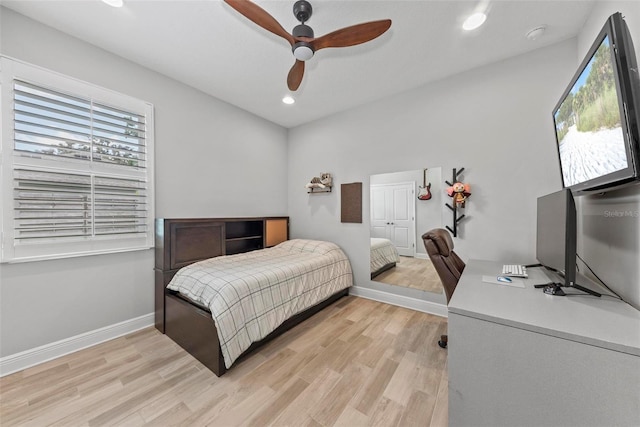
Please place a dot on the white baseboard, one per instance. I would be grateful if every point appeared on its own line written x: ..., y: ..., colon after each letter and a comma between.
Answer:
x: 422, y: 256
x: 35, y: 356
x: 399, y: 300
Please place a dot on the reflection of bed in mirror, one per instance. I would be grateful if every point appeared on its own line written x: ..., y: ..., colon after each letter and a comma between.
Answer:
x: 399, y: 217
x: 384, y: 256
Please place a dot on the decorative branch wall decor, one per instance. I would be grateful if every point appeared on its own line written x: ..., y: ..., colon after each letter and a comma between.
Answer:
x: 460, y: 192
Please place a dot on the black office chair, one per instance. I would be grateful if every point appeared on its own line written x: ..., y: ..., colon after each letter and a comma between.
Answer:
x: 447, y: 263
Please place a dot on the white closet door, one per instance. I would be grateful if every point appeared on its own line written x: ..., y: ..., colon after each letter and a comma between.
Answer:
x: 393, y: 215
x: 402, y: 219
x: 379, y: 219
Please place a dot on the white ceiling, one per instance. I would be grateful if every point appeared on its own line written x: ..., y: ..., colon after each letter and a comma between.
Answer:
x: 208, y: 45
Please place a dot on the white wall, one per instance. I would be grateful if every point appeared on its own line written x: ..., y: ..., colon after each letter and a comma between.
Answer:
x: 494, y: 121
x: 212, y: 159
x: 610, y: 232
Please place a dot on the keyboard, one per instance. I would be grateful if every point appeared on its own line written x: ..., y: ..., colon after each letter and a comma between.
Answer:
x: 514, y: 270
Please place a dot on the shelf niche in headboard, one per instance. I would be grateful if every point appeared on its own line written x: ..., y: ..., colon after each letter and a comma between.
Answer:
x: 244, y: 236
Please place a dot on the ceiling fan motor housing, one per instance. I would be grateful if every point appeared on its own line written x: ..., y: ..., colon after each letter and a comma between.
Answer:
x: 302, y: 50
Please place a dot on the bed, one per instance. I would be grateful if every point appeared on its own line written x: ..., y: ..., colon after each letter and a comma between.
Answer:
x: 384, y: 256
x: 220, y: 308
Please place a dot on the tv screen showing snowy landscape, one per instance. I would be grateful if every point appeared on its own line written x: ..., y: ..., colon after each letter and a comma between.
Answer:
x: 588, y: 126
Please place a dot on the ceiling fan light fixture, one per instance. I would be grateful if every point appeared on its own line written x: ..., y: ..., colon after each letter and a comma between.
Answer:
x: 114, y: 3
x: 302, y: 51
x: 288, y: 99
x: 474, y: 21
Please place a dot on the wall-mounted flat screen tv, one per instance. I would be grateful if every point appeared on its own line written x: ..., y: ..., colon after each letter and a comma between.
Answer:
x: 596, y: 120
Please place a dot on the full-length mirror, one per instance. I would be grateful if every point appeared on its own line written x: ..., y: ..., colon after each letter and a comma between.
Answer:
x: 404, y: 206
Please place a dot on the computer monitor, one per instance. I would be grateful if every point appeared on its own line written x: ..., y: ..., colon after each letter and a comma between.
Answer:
x: 556, y: 239
x: 556, y: 234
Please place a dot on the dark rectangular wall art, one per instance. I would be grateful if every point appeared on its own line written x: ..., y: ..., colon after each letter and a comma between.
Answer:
x: 351, y: 202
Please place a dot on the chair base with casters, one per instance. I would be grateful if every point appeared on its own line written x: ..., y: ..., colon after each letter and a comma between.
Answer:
x: 443, y: 341
x: 447, y: 263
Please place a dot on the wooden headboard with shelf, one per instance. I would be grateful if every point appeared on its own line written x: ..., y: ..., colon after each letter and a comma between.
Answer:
x: 183, y: 241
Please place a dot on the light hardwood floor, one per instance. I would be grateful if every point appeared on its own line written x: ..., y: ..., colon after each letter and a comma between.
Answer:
x: 414, y: 273
x: 356, y: 363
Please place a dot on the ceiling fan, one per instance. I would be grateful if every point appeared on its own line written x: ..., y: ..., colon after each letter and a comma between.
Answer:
x: 302, y: 40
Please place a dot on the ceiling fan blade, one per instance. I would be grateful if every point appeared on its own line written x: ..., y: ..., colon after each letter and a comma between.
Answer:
x: 259, y: 16
x: 295, y: 75
x: 351, y: 36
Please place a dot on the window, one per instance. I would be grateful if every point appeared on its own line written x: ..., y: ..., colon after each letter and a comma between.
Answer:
x: 76, y: 165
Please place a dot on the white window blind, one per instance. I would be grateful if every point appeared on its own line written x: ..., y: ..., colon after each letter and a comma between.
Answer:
x: 77, y: 175
x: 51, y: 205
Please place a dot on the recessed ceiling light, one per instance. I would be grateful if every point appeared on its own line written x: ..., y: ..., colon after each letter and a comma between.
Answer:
x: 288, y: 99
x: 114, y: 3
x: 474, y: 21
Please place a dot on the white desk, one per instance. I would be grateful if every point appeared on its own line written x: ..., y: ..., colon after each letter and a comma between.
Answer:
x: 520, y: 357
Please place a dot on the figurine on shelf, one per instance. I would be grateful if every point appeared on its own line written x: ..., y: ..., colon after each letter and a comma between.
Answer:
x: 323, y: 181
x: 460, y: 192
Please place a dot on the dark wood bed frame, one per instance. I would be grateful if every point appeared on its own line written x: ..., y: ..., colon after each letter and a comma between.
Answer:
x: 180, y: 242
x: 383, y: 269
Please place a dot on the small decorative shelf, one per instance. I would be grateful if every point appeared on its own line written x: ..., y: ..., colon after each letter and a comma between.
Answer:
x: 320, y: 190
x: 320, y: 184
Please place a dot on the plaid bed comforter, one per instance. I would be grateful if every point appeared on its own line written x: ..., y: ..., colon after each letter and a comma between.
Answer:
x: 382, y: 253
x: 251, y: 294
